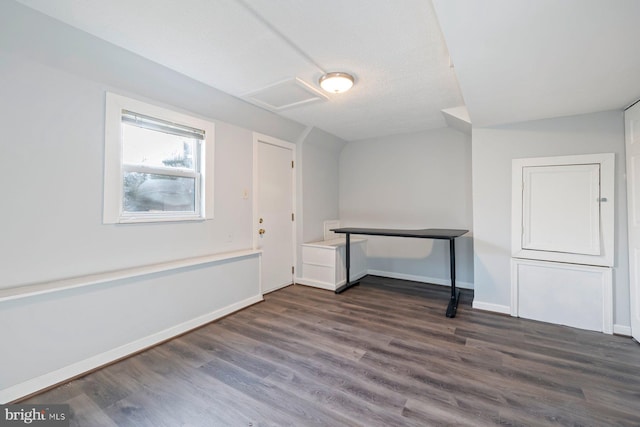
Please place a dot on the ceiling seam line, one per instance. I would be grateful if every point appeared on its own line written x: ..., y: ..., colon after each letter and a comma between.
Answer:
x: 281, y: 36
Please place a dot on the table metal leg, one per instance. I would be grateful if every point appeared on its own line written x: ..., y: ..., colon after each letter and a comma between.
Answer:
x: 455, y: 294
x: 347, y: 260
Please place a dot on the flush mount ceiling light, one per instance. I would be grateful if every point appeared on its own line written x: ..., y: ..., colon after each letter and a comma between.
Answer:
x: 336, y: 82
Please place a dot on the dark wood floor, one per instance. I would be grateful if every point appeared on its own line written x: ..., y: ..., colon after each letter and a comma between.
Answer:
x: 381, y: 354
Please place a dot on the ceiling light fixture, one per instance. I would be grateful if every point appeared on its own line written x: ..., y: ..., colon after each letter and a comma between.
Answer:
x: 336, y: 82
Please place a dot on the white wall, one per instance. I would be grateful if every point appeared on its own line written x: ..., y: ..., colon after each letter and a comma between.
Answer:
x: 493, y: 150
x: 318, y: 155
x: 53, y: 337
x: 53, y: 80
x: 420, y: 180
x: 320, y: 182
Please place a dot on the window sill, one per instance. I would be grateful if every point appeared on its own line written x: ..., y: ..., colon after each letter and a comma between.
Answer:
x: 136, y: 220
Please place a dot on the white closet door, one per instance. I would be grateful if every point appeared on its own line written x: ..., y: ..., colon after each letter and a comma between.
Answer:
x: 561, y: 208
x: 563, y: 240
x: 632, y: 137
x: 274, y: 184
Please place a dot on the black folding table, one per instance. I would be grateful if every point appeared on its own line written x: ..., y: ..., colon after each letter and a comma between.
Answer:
x: 427, y: 233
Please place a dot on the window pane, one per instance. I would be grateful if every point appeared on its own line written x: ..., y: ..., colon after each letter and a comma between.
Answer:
x: 145, y: 192
x: 148, y: 147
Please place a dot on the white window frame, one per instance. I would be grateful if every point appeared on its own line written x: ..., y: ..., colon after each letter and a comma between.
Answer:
x: 113, y: 212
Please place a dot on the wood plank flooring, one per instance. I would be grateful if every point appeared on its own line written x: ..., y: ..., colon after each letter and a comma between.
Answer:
x: 380, y: 354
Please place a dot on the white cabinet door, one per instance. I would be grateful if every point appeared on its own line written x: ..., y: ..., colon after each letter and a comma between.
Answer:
x: 632, y: 138
x: 561, y: 208
x: 575, y: 295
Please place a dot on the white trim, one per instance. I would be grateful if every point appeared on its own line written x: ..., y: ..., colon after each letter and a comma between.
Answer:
x: 423, y: 279
x: 622, y: 330
x: 52, y: 378
x: 632, y: 152
x: 607, y: 209
x: 487, y: 306
x: 285, y: 84
x: 110, y: 276
x: 590, y: 177
x: 258, y: 138
x: 261, y: 138
x: 113, y: 167
x: 327, y: 226
x: 336, y: 242
x: 515, y: 297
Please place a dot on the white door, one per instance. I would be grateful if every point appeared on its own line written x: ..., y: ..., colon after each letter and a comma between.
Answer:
x: 274, y: 210
x: 561, y: 208
x: 632, y: 139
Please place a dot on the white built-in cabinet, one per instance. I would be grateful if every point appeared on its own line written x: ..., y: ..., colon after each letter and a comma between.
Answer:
x: 563, y: 240
x: 323, y: 262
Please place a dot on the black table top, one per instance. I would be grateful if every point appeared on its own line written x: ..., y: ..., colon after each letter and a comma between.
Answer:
x: 425, y: 233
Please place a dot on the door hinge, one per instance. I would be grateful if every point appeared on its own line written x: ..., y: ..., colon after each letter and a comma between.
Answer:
x: 293, y: 218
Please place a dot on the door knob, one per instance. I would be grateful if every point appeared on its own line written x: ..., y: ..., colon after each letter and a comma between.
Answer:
x: 261, y: 231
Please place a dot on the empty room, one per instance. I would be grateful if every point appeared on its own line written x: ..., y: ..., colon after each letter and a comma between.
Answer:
x: 337, y: 213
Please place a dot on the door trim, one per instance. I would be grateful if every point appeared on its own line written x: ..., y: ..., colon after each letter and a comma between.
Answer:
x: 630, y: 139
x: 259, y: 138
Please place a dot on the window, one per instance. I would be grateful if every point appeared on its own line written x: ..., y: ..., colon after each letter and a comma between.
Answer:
x: 158, y: 164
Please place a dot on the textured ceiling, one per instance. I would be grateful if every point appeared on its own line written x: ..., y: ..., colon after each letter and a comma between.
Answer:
x: 520, y: 60
x: 516, y: 60
x: 395, y: 50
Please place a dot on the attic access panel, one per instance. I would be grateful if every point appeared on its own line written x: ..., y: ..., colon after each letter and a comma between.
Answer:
x: 285, y: 94
x: 563, y: 209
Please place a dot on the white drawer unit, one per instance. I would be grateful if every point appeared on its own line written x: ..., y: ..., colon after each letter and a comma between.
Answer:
x: 323, y: 262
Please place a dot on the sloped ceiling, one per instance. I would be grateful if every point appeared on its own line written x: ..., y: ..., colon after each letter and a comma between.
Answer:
x: 520, y: 60
x: 515, y: 60
x: 395, y: 50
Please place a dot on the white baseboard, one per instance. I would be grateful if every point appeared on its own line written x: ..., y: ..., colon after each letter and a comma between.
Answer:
x: 52, y: 378
x: 622, y: 330
x: 487, y: 306
x: 423, y: 279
